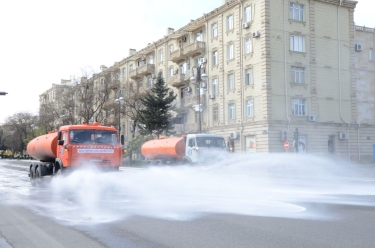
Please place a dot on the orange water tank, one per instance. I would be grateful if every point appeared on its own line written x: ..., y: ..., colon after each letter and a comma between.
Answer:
x: 43, y: 148
x: 164, y: 148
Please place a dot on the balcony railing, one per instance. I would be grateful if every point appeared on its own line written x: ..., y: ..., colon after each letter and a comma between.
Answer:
x: 145, y: 69
x: 363, y: 28
x: 194, y: 48
x: 189, y: 101
x: 177, y: 56
x: 179, y: 79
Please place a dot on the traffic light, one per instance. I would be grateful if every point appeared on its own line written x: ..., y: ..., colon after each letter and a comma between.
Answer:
x: 284, y: 135
x: 295, y: 137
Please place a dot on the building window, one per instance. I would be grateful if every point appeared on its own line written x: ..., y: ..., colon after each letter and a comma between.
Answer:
x: 124, y: 73
x: 247, y: 14
x: 249, y: 77
x: 298, y: 75
x: 297, y: 43
x: 215, y: 113
x: 170, y: 48
x: 230, y: 54
x: 230, y: 22
x: 231, y: 81
x: 214, y: 58
x: 151, y: 59
x: 161, y: 55
x: 250, y: 108
x: 214, y: 30
x: 248, y: 45
x: 215, y: 85
x: 199, y: 36
x: 171, y: 72
x: 184, y: 67
x: 150, y: 81
x: 296, y: 12
x: 371, y: 54
x: 131, y: 67
x: 231, y: 111
x: 299, y: 107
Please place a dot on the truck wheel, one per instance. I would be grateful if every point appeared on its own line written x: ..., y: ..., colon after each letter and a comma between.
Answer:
x: 32, y: 175
x: 38, y: 176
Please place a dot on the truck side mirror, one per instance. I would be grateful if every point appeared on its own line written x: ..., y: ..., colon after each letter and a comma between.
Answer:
x: 59, y: 135
x: 61, y: 142
x: 122, y: 138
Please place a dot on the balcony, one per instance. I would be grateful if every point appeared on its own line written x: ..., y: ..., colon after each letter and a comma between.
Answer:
x: 179, y: 79
x: 194, y: 48
x: 193, y: 127
x: 146, y: 69
x: 189, y: 101
x: 143, y: 70
x: 179, y: 128
x: 133, y: 74
x: 177, y: 56
x: 115, y: 85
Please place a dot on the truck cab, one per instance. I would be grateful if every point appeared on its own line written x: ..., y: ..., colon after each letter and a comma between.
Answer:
x: 204, y: 148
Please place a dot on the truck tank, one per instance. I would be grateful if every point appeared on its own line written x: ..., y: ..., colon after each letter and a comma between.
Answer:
x: 162, y: 148
x: 43, y: 148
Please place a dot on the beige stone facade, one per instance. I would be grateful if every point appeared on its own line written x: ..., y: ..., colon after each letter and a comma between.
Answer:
x: 273, y: 66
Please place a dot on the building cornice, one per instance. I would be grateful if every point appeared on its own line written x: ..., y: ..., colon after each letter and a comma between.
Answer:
x: 345, y: 3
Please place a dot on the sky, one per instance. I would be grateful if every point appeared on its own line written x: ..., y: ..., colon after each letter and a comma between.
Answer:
x: 45, y: 41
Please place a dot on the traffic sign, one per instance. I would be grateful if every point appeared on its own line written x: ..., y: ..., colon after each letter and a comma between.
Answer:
x: 286, y: 145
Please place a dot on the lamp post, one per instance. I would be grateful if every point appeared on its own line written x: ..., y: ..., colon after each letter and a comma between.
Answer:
x: 119, y: 101
x: 198, y: 80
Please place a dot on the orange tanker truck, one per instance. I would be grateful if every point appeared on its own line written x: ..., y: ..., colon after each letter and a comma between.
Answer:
x: 74, y: 146
x: 190, y: 149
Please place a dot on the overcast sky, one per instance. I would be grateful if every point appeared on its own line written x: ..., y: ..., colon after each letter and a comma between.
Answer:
x: 44, y: 41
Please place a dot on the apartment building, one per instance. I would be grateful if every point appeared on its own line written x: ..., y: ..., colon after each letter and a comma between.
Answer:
x: 273, y: 66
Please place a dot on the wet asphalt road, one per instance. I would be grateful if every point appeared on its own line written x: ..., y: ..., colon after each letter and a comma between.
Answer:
x: 344, y: 225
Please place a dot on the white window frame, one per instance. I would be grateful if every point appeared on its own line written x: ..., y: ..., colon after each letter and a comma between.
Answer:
x: 161, y: 55
x: 249, y: 77
x: 230, y: 51
x: 231, y: 111
x: 247, y: 14
x: 171, y: 72
x: 150, y: 81
x: 230, y: 78
x: 230, y: 25
x: 250, y: 108
x: 299, y: 107
x: 199, y: 36
x: 298, y: 75
x: 215, y: 113
x: 297, y: 12
x: 248, y: 43
x: 214, y: 31
x: 214, y: 58
x: 124, y: 73
x: 150, y: 59
x: 215, y: 85
x: 297, y: 43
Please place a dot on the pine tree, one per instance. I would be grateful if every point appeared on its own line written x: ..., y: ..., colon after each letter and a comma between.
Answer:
x: 155, y: 116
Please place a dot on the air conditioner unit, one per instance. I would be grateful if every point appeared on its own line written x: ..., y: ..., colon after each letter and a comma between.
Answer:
x: 343, y: 136
x: 358, y: 47
x: 284, y: 135
x: 245, y: 25
x: 312, y: 117
x: 184, y: 39
x: 256, y: 34
x: 212, y: 96
x: 233, y: 135
x: 203, y: 60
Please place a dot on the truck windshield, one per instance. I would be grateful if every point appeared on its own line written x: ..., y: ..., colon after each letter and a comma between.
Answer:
x: 210, y: 142
x: 93, y: 137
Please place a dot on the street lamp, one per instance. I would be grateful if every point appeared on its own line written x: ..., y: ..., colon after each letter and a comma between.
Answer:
x: 198, y: 80
x: 119, y: 101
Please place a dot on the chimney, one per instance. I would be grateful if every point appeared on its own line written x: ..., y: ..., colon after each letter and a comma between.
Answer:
x: 170, y: 30
x: 103, y: 67
x: 132, y: 51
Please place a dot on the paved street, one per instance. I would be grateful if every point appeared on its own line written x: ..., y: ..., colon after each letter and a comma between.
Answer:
x: 222, y: 208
